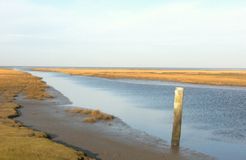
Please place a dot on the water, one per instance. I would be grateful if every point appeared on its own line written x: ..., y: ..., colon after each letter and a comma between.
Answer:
x: 214, y: 118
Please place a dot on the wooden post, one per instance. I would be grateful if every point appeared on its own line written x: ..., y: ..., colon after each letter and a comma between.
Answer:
x: 177, y: 119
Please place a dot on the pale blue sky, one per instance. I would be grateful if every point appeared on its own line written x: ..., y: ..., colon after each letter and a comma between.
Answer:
x: 129, y: 33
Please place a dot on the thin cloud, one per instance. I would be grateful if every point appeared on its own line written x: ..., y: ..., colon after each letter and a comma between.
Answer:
x: 163, y: 31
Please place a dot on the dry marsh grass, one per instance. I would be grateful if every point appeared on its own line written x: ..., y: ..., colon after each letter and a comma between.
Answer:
x: 91, y: 116
x: 210, y: 77
x: 17, y: 141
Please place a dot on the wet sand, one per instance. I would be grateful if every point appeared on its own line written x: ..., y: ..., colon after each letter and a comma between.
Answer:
x: 107, y: 141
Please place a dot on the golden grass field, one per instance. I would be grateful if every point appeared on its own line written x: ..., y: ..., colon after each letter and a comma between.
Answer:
x: 92, y: 116
x: 17, y: 141
x: 209, y: 77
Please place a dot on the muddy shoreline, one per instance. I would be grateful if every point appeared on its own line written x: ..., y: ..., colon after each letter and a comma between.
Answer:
x: 112, y: 140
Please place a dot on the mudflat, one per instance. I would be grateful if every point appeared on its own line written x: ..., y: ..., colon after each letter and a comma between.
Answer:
x: 208, y: 77
x: 43, y: 129
x: 112, y: 140
x: 16, y: 140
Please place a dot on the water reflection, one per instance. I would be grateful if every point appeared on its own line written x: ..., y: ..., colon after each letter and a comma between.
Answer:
x: 214, y: 118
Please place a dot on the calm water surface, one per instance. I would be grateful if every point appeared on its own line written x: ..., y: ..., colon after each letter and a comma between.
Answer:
x: 214, y: 118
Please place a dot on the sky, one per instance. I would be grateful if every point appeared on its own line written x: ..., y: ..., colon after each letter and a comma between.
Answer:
x: 129, y: 33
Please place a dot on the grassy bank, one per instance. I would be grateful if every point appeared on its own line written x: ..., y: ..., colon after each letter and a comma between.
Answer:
x: 210, y: 77
x: 17, y: 141
x: 91, y: 116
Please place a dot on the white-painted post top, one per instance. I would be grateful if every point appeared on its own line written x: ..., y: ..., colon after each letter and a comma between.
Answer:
x: 179, y: 89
